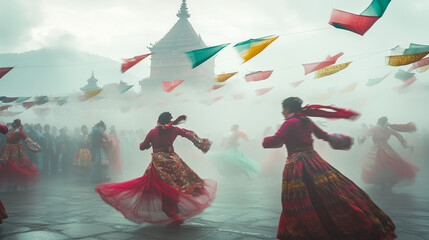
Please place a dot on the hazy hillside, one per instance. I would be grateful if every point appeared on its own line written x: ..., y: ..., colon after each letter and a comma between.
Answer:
x: 56, y: 71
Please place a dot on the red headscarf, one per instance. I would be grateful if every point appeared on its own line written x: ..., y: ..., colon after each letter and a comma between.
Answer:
x: 320, y: 111
x: 178, y: 120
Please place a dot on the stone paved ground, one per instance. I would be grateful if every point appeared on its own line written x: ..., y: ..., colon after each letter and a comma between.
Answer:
x: 60, y: 209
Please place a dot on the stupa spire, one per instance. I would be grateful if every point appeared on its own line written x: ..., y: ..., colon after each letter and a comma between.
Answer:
x: 183, y: 11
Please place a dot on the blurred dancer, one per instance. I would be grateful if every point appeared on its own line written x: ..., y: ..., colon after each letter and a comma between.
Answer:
x: 16, y: 170
x: 383, y: 166
x: 233, y: 161
x: 99, y: 147
x: 115, y: 153
x: 169, y: 191
x: 318, y: 201
x: 82, y: 160
x: 3, y: 214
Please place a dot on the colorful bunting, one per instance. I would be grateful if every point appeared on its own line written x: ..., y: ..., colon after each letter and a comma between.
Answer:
x: 170, y: 86
x: 416, y: 48
x: 403, y: 75
x: 224, y: 77
x: 201, y: 55
x: 359, y: 24
x: 374, y: 81
x: 258, y: 76
x: 125, y: 88
x: 4, y: 71
x: 130, y: 62
x: 262, y: 91
x: 62, y: 100
x: 421, y: 63
x: 311, y: 67
x: 297, y: 83
x: 407, y: 83
x: 252, y: 47
x: 400, y: 60
x: 331, y: 70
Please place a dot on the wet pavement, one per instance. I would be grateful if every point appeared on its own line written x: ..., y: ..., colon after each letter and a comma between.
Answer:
x: 243, y: 209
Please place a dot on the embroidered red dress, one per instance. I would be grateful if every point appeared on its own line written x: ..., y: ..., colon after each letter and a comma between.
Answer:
x: 169, y: 191
x: 15, y: 166
x: 318, y: 201
x: 383, y: 166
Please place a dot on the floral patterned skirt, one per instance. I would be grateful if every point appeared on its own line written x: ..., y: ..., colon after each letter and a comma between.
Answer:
x: 15, y: 167
x: 321, y: 203
x: 168, y: 191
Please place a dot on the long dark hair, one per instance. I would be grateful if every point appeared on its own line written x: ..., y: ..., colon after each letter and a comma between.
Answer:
x: 294, y: 104
x: 165, y: 118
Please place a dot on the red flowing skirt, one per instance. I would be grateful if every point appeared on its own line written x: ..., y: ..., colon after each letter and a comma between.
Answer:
x: 168, y: 191
x: 15, y: 167
x: 3, y: 213
x: 383, y: 166
x: 320, y: 203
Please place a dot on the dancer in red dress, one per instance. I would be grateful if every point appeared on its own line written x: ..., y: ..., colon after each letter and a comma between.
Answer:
x: 3, y: 214
x: 383, y: 166
x: 115, y: 153
x: 169, y: 191
x: 318, y: 201
x: 15, y: 167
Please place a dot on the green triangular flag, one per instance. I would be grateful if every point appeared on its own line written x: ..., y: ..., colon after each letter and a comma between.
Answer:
x: 201, y: 55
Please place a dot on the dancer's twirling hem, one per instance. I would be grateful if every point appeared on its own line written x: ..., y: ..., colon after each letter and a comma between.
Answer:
x: 318, y: 201
x: 169, y: 191
x: 383, y: 166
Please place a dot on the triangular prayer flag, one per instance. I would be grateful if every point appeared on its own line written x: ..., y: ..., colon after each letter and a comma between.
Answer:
x: 28, y: 105
x: 216, y: 99
x: 22, y: 99
x: 62, y: 100
x: 331, y: 70
x: 262, y: 91
x: 92, y: 93
x: 170, y: 86
x: 130, y: 62
x: 416, y: 48
x: 4, y: 71
x: 125, y: 88
x: 400, y: 60
x: 252, y: 47
x: 421, y: 63
x: 350, y: 87
x: 374, y: 81
x: 423, y: 69
x: 9, y: 99
x: 201, y: 55
x: 224, y: 77
x: 403, y: 75
x: 41, y: 100
x: 215, y: 87
x: 258, y: 76
x: 311, y: 67
x: 359, y: 23
x: 407, y: 83
x: 5, y: 107
x: 297, y: 83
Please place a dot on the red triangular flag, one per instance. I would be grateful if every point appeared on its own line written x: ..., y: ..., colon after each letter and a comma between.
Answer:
x: 296, y: 84
x: 311, y: 67
x: 4, y: 70
x: 262, y: 91
x: 130, y: 62
x: 28, y: 105
x: 169, y: 86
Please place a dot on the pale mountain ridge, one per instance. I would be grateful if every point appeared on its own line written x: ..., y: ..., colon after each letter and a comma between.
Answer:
x: 57, y: 72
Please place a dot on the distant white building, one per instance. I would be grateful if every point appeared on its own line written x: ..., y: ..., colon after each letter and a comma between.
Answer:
x: 169, y: 61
